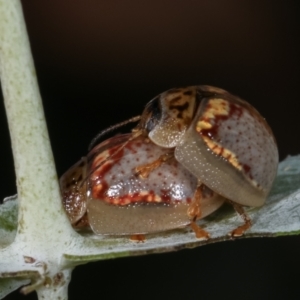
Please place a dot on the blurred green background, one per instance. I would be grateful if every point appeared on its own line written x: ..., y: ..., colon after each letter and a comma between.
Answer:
x: 99, y: 62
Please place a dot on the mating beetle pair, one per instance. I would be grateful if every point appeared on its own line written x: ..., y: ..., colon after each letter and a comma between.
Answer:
x: 193, y: 149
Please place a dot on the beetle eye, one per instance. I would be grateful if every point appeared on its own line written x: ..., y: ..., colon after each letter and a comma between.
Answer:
x: 152, y: 114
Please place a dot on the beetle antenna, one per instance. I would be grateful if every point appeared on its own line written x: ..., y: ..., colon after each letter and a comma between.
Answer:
x: 111, y: 128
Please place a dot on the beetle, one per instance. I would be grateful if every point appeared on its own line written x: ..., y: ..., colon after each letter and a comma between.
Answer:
x: 209, y: 145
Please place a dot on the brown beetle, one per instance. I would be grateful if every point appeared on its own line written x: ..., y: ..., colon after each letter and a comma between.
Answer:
x: 200, y: 141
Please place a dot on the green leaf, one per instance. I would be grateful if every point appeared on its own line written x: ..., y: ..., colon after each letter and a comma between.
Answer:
x: 8, y: 220
x: 279, y: 216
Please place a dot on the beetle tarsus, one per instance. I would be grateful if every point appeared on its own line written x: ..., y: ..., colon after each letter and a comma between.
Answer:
x: 239, y: 231
x: 199, y: 232
x: 138, y: 238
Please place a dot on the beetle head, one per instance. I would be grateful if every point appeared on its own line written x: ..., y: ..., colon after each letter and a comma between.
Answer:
x: 167, y: 116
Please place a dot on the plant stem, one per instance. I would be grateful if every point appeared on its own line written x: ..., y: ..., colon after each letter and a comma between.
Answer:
x: 44, y: 232
x: 37, y: 184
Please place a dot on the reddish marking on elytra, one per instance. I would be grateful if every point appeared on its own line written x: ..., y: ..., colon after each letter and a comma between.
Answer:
x: 165, y: 196
x: 123, y: 200
x: 216, y: 122
x: 100, y: 166
x: 99, y: 193
x: 246, y: 168
x: 130, y: 147
x: 235, y: 110
x: 116, y: 153
x: 102, y: 170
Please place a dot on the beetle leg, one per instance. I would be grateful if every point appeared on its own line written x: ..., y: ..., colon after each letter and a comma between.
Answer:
x: 199, y: 232
x: 144, y: 170
x: 138, y: 238
x: 194, y: 212
x: 239, y: 231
